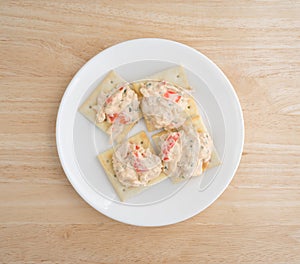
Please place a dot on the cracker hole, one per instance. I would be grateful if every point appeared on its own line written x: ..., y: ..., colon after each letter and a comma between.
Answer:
x: 107, y: 161
x: 124, y: 190
x: 90, y: 106
x: 142, y: 142
x: 177, y: 76
x: 111, y: 82
x: 189, y: 107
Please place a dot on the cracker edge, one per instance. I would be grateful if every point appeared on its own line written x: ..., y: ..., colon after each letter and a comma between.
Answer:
x: 174, y: 71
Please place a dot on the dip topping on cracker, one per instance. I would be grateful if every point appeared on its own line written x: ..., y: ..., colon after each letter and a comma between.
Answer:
x: 164, y: 104
x: 135, y: 165
x: 179, y: 152
x: 184, y: 152
x: 121, y: 103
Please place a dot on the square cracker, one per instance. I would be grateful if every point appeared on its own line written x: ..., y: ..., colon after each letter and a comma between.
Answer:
x: 177, y: 76
x: 107, y: 84
x: 199, y: 125
x: 123, y: 192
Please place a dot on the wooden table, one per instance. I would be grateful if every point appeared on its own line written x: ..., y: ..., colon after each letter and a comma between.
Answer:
x: 44, y: 43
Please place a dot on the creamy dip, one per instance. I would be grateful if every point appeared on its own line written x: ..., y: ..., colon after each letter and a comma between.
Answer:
x: 134, y: 165
x: 163, y: 104
x: 183, y: 152
x: 121, y: 105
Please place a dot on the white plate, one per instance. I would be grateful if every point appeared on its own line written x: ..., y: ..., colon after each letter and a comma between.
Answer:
x: 78, y: 142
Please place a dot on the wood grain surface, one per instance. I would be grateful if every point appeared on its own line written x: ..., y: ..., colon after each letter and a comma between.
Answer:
x: 44, y: 43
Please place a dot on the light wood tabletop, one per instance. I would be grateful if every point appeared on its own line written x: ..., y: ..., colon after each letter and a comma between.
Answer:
x: 44, y: 43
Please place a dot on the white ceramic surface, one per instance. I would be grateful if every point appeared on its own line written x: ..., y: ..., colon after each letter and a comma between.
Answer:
x: 79, y: 142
